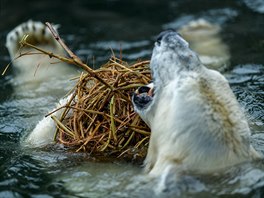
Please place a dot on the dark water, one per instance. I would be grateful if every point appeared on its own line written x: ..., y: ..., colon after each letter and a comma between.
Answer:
x: 91, y: 28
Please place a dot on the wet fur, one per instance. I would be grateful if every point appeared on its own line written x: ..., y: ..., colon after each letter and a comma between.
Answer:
x: 196, y: 122
x: 37, y: 70
x: 35, y: 67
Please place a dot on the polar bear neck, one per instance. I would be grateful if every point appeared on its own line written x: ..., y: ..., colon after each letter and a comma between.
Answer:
x: 168, y: 70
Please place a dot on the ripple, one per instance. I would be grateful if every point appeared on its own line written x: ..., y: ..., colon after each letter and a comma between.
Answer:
x: 255, y: 5
x: 247, y: 83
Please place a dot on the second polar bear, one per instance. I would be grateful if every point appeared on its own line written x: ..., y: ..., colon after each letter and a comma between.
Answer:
x: 38, y: 75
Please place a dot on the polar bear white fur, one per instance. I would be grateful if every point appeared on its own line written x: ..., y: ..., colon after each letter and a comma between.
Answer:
x: 205, y: 39
x: 34, y: 70
x: 34, y: 67
x: 196, y: 122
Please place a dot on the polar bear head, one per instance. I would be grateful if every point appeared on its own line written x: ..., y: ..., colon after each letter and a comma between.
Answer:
x: 171, y: 54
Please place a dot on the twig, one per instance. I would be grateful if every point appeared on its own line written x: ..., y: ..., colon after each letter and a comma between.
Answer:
x: 73, y: 58
x: 63, y: 127
x: 6, y: 68
x: 65, y: 47
x: 78, y: 61
x: 141, y: 63
x: 112, y: 125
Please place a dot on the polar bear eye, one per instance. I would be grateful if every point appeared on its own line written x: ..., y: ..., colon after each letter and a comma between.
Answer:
x: 159, y: 39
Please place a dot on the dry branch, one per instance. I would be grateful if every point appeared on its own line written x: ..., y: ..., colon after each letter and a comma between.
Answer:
x: 99, y: 118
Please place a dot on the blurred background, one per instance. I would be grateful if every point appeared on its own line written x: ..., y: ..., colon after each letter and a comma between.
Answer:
x: 92, y: 27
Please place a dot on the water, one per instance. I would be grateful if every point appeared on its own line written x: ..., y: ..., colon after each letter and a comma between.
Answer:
x: 91, y: 28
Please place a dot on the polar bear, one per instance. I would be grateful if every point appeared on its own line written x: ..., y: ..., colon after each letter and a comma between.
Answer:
x: 35, y: 72
x: 205, y: 39
x: 34, y: 67
x: 196, y: 122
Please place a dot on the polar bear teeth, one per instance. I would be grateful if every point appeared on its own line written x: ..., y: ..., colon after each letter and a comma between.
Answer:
x: 143, y: 96
x: 145, y: 90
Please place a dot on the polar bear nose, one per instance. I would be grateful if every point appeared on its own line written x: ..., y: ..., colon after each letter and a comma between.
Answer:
x: 164, y: 33
x: 172, y: 39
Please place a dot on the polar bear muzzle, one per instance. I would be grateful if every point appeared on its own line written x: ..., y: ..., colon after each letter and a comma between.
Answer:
x: 143, y: 96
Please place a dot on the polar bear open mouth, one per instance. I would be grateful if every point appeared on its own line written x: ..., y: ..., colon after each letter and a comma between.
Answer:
x: 143, y: 96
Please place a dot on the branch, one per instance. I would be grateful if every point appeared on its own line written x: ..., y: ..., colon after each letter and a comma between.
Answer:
x: 77, y: 60
x: 65, y: 47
